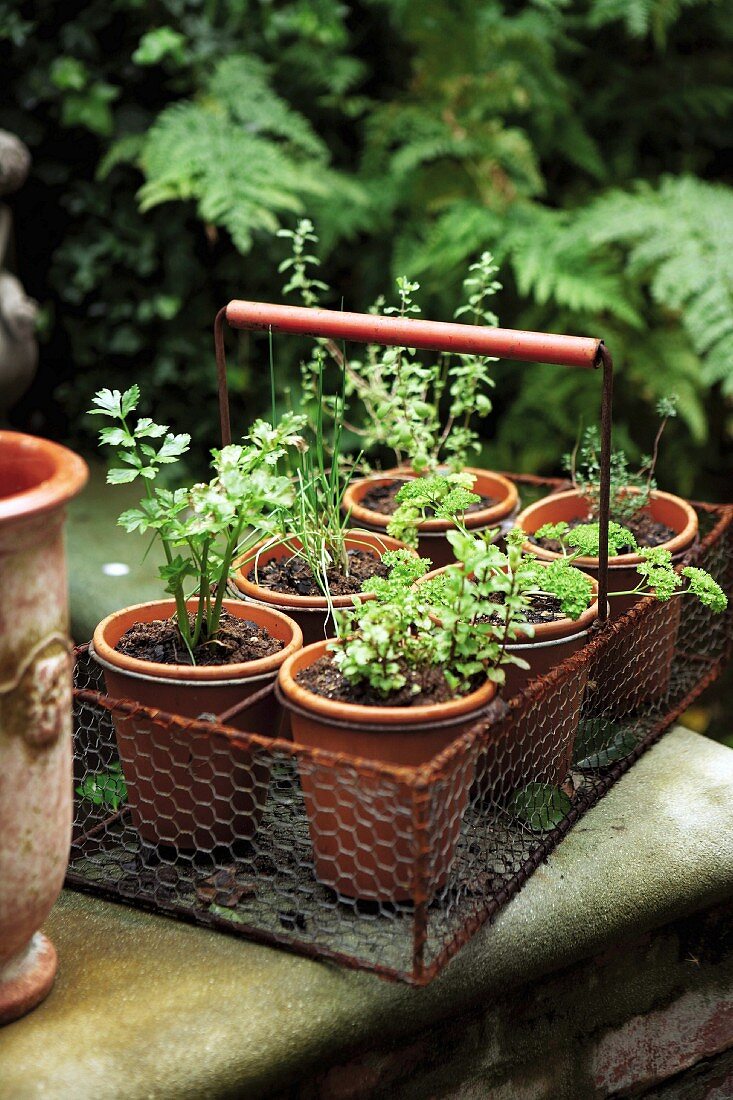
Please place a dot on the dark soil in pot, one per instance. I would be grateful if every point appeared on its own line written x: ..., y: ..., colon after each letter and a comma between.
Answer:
x: 542, y: 609
x: 383, y: 498
x: 646, y: 530
x: 323, y: 678
x: 294, y: 577
x: 237, y: 640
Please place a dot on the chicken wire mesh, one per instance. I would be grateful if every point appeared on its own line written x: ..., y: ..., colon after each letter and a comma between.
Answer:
x: 379, y: 867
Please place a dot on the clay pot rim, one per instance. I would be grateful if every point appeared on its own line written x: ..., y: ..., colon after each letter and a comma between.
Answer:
x: 69, y: 476
x: 358, y: 714
x: 545, y: 632
x: 209, y: 674
x: 681, y: 541
x: 485, y: 517
x: 355, y: 539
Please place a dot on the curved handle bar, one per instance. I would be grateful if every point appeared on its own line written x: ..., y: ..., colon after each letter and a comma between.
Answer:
x: 365, y: 328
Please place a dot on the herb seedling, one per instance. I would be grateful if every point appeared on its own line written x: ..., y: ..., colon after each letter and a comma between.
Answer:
x: 448, y: 498
x: 202, y: 529
x: 423, y: 412
x: 438, y: 496
x: 658, y: 576
x: 630, y: 490
x: 313, y: 526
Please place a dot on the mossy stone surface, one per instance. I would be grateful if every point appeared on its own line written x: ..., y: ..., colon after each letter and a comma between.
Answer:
x: 146, y: 1007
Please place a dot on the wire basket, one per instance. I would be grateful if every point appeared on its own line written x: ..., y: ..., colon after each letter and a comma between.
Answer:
x: 382, y: 868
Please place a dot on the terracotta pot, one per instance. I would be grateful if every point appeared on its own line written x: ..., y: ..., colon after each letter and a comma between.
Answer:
x: 193, y: 791
x: 570, y: 505
x: 432, y: 542
x: 311, y: 613
x: 362, y: 822
x: 538, y: 743
x: 637, y: 669
x: 37, y: 479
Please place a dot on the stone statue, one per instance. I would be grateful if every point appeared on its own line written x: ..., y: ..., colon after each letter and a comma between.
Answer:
x: 18, y: 312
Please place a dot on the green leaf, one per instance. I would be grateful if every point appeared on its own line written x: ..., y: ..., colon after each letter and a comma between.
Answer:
x: 227, y: 913
x: 130, y: 400
x: 619, y: 746
x: 173, y: 447
x: 540, y: 806
x: 108, y: 403
x: 164, y: 42
x: 91, y: 108
x: 120, y: 477
x: 69, y: 74
x: 146, y: 428
x: 104, y: 788
x: 113, y: 437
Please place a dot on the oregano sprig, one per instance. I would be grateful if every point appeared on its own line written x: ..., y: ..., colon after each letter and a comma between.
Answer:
x: 630, y: 489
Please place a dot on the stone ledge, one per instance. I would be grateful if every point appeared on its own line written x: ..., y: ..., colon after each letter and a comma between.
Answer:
x: 147, y: 1007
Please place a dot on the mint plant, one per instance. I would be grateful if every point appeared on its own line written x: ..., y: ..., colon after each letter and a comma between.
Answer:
x: 383, y: 641
x: 205, y: 528
x: 630, y: 489
x: 403, y: 395
x: 658, y: 576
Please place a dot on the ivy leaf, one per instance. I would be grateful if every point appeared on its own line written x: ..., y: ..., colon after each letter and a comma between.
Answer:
x: 159, y: 44
x: 69, y: 74
x: 91, y: 108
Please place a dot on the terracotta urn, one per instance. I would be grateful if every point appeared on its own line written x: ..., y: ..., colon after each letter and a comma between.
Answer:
x: 37, y: 479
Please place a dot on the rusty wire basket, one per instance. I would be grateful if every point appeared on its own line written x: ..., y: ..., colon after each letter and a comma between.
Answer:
x: 380, y: 867
x: 389, y: 869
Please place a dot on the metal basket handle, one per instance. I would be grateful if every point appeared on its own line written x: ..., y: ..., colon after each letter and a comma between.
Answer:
x: 365, y: 328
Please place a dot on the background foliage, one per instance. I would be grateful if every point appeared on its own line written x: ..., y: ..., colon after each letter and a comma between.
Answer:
x: 582, y: 142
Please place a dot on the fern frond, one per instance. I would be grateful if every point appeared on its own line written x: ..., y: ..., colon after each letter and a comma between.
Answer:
x: 240, y: 84
x: 241, y: 153
x: 679, y: 239
x: 554, y: 261
x: 641, y: 17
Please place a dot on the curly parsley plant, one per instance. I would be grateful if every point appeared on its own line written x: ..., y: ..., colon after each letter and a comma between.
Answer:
x: 658, y: 576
